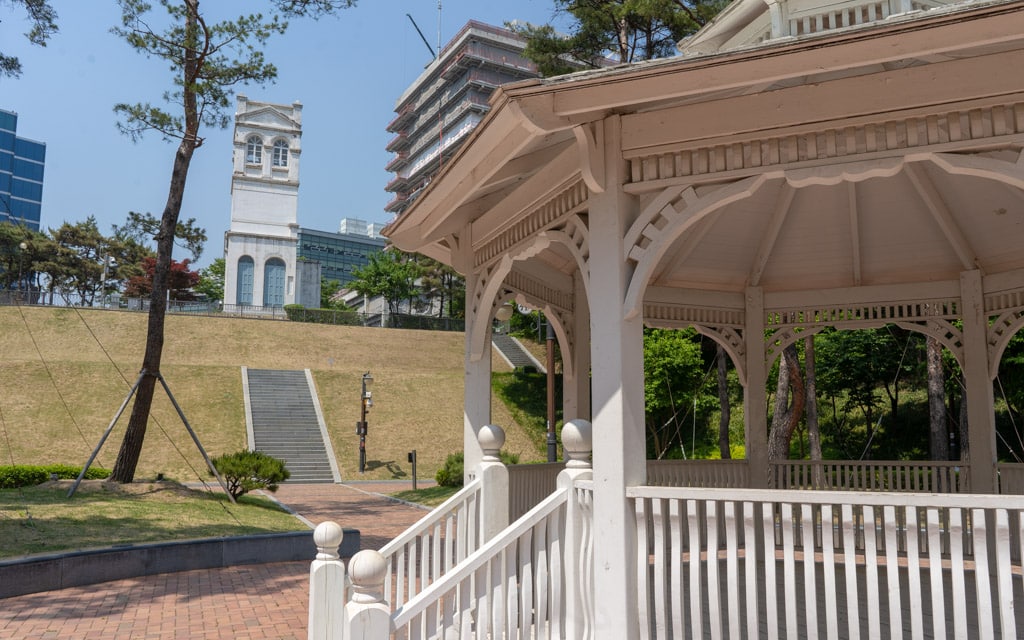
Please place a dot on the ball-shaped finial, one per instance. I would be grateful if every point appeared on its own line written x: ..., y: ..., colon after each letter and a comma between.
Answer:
x: 492, y: 439
x: 577, y: 442
x: 367, y: 570
x: 327, y: 537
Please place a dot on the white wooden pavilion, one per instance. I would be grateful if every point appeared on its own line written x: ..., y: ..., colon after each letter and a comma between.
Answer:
x: 801, y: 165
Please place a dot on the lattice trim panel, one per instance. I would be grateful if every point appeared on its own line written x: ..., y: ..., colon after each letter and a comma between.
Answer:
x: 541, y: 218
x: 862, y: 315
x: 1000, y: 330
x: 733, y: 343
x: 782, y: 338
x: 893, y: 135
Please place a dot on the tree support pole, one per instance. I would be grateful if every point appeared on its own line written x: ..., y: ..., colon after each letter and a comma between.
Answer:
x: 195, y: 438
x: 184, y: 420
x: 106, y: 434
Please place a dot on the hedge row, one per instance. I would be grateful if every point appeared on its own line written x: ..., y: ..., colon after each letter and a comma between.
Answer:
x: 299, y: 313
x: 25, y: 475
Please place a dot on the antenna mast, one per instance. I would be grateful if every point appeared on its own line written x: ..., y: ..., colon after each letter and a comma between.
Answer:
x: 439, y: 27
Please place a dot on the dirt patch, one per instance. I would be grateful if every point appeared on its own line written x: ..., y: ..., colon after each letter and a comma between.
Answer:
x: 134, y: 489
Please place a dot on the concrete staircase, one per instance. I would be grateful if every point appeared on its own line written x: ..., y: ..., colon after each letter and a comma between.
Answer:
x: 285, y: 423
x: 514, y: 353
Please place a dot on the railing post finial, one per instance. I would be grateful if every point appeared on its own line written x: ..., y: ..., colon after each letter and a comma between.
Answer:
x: 577, y: 443
x: 491, y: 438
x: 367, y: 615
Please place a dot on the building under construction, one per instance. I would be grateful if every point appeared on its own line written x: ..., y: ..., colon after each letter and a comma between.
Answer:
x: 437, y: 112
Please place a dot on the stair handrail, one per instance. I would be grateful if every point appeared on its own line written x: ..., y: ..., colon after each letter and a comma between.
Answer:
x: 434, y: 544
x: 447, y: 585
x: 537, y: 568
x: 449, y: 534
x: 556, y: 519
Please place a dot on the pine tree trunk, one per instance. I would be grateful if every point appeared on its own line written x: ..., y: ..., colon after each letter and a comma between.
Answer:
x: 131, y: 446
x: 813, y: 428
x: 723, y: 403
x: 787, y: 413
x: 938, y: 433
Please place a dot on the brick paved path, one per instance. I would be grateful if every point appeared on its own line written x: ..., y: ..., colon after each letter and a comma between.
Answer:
x: 251, y: 602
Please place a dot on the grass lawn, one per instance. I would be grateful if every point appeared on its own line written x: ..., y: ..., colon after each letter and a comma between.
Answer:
x: 430, y: 497
x: 42, y: 519
x: 66, y: 371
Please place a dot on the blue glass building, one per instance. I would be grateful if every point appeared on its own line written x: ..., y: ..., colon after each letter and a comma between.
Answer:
x: 21, y: 174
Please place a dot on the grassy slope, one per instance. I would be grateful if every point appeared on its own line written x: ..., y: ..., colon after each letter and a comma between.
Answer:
x: 61, y: 390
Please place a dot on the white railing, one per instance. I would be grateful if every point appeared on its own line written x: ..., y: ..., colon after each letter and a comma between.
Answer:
x: 512, y: 585
x: 528, y: 484
x: 698, y: 473
x: 533, y: 577
x: 1011, y: 478
x: 854, y: 475
x: 431, y: 547
x: 706, y: 555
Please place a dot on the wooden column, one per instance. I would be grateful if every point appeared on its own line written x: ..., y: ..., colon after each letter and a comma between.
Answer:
x: 618, y: 401
x: 477, y: 384
x: 755, y: 399
x: 576, y: 390
x: 981, y: 421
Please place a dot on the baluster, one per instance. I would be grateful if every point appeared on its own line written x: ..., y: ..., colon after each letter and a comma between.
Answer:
x: 576, y: 444
x: 914, y: 572
x: 935, y: 572
x: 892, y: 571
x: 850, y: 570
x: 979, y: 527
x: 958, y: 572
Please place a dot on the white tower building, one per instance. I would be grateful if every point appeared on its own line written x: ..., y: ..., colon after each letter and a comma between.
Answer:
x: 260, y: 246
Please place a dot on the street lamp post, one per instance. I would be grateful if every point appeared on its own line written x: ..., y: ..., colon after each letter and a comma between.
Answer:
x: 21, y: 271
x: 365, y: 402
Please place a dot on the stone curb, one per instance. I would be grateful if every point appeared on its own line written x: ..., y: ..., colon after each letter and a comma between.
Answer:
x: 59, y: 571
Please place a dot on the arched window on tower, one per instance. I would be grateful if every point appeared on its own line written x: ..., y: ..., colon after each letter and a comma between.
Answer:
x: 280, y: 158
x: 273, y: 283
x: 254, y: 150
x: 246, y: 269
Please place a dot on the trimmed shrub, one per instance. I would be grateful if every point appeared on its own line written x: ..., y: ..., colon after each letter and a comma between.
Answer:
x: 451, y: 474
x: 244, y: 471
x: 24, y: 475
x: 299, y: 313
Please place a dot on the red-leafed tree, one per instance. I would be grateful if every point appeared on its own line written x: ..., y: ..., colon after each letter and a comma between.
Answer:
x: 180, y: 280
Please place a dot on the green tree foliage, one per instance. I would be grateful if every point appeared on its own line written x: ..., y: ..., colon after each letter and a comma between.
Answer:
x: 76, y: 268
x: 207, y: 60
x: 329, y: 289
x: 622, y: 30
x: 19, y: 267
x: 854, y: 367
x: 673, y: 376
x: 245, y: 471
x: 43, y: 21
x: 389, y: 274
x: 443, y: 284
x: 211, y: 281
x: 142, y: 229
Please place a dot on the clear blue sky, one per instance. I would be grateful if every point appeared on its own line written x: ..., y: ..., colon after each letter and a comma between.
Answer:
x: 347, y: 71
